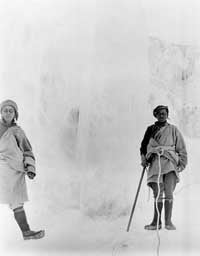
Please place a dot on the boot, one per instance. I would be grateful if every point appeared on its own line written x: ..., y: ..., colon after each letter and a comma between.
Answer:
x: 168, y: 214
x: 27, y: 235
x: 153, y: 225
x: 21, y: 220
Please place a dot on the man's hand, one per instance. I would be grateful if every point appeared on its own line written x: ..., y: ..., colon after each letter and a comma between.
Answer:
x: 144, y: 162
x: 31, y: 175
x: 180, y: 168
x: 30, y: 171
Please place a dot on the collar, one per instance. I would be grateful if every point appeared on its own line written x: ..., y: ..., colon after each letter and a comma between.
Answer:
x: 7, y: 125
x: 160, y: 124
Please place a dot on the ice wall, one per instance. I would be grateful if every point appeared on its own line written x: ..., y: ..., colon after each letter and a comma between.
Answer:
x: 86, y: 75
x: 76, y: 69
x: 111, y: 153
x: 175, y: 70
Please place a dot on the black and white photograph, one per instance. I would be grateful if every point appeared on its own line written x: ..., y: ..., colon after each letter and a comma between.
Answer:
x: 99, y: 127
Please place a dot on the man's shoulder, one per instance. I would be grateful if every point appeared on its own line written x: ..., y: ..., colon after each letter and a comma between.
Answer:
x: 17, y: 130
x: 172, y: 126
x: 150, y: 127
x: 174, y: 129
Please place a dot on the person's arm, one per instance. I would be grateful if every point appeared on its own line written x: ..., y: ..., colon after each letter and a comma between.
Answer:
x: 180, y: 148
x: 26, y: 148
x: 143, y: 148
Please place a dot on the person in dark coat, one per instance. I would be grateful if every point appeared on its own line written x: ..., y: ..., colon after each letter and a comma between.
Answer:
x: 163, y: 151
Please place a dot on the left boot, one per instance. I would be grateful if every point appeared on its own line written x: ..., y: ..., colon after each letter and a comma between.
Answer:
x: 153, y: 225
x: 168, y: 215
x: 20, y: 217
x: 27, y: 235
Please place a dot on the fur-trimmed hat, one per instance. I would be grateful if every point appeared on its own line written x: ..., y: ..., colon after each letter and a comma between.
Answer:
x: 12, y: 104
x: 158, y: 108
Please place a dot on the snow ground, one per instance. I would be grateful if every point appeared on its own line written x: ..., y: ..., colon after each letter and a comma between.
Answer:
x: 71, y: 233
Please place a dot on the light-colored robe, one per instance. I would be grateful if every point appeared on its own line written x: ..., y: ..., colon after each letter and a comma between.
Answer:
x: 174, y: 155
x: 13, y: 189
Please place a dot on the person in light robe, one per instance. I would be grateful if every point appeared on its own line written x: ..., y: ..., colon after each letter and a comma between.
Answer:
x: 16, y: 162
x: 163, y: 152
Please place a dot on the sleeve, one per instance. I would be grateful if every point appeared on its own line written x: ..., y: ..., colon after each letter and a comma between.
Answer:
x: 180, y: 148
x: 26, y: 148
x: 145, y: 141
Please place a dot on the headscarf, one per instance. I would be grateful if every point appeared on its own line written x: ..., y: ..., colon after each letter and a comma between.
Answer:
x: 12, y: 104
x: 158, y: 108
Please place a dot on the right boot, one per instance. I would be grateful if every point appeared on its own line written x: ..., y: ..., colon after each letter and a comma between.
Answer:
x: 20, y: 217
x: 153, y: 225
x: 168, y: 214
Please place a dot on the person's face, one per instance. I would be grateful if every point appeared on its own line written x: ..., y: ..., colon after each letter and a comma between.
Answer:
x: 162, y: 115
x: 8, y: 114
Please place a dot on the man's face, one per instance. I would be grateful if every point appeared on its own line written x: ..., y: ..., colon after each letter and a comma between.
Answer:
x: 8, y: 114
x: 162, y: 115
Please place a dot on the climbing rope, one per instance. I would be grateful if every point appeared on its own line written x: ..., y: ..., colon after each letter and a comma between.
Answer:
x: 116, y: 248
x: 159, y: 153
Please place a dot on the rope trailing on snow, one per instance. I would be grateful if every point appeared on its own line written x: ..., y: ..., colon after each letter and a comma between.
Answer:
x: 117, y: 248
x: 121, y: 245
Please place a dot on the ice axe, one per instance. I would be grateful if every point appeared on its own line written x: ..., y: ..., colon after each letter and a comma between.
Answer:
x: 135, y: 201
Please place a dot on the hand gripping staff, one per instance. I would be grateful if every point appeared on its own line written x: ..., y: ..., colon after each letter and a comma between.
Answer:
x: 135, y: 201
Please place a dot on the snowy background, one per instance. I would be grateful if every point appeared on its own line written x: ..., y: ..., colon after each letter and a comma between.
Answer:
x: 86, y: 76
